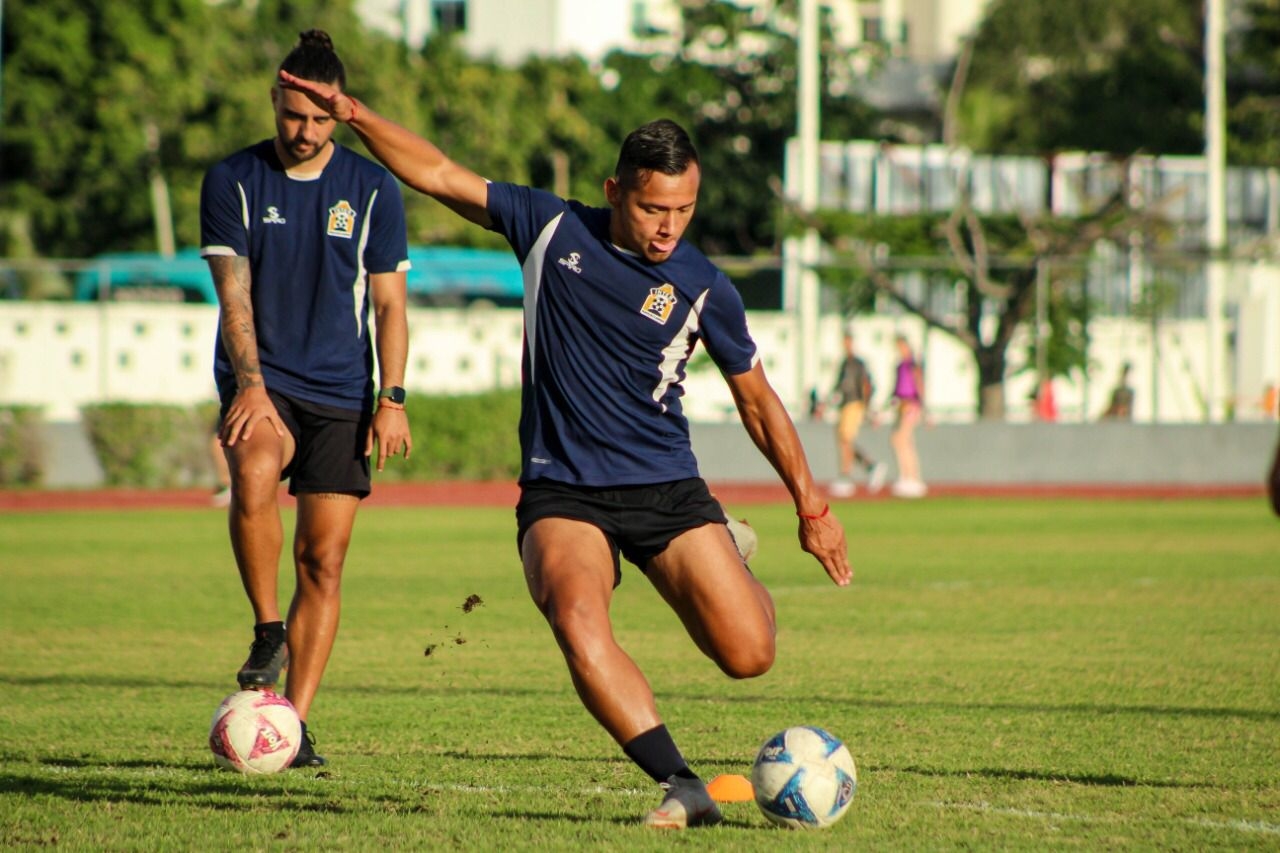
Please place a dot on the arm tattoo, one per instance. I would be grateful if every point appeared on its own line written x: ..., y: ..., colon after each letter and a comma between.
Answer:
x: 231, y: 279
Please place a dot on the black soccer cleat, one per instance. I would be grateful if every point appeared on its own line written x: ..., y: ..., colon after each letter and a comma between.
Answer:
x: 306, y: 756
x: 268, y: 655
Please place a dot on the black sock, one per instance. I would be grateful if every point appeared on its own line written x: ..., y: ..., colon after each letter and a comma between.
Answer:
x: 655, y: 753
x: 264, y: 630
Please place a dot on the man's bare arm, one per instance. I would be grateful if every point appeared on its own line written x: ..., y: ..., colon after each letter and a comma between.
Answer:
x: 233, y: 283
x: 412, y: 159
x: 770, y: 427
x: 231, y: 280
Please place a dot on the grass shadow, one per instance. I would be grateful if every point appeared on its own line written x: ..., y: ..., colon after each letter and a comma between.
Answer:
x: 1103, y: 780
x: 517, y: 692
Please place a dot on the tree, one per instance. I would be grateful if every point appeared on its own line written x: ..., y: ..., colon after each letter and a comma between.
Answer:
x: 1119, y: 76
x: 732, y: 85
x: 994, y: 266
x: 1253, y: 87
x: 99, y: 94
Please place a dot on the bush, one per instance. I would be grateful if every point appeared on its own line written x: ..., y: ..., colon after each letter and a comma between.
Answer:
x: 21, y: 446
x: 467, y: 437
x: 149, y: 445
x: 470, y: 437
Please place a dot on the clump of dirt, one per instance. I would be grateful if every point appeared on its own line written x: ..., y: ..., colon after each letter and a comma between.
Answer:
x: 471, y: 603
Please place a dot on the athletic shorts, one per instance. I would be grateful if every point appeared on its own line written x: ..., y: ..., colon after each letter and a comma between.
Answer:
x: 329, y: 458
x: 638, y: 521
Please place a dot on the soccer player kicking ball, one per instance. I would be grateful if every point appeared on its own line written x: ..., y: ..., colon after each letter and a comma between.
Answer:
x: 614, y: 303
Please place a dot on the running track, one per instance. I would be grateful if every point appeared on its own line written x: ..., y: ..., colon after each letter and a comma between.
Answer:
x: 504, y: 494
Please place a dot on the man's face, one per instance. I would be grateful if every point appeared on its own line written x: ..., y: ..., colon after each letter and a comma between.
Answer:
x: 302, y: 128
x: 651, y: 217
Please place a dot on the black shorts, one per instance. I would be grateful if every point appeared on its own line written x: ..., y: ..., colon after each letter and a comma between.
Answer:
x: 329, y: 458
x: 639, y: 521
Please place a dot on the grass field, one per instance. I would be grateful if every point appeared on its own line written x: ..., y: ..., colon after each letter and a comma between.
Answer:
x: 1009, y: 674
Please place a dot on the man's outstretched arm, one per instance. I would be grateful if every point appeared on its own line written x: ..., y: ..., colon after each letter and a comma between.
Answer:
x: 412, y: 159
x: 770, y: 427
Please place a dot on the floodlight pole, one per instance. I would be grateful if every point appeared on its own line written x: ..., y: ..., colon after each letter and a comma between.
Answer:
x: 806, y: 277
x: 1216, y: 221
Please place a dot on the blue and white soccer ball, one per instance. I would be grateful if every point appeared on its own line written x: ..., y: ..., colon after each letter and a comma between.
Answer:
x: 804, y: 778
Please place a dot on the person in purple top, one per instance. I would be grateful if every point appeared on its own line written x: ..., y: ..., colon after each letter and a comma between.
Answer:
x: 615, y: 302
x: 908, y: 392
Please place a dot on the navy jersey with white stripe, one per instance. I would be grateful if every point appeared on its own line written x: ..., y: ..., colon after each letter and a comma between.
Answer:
x: 311, y: 244
x: 607, y: 339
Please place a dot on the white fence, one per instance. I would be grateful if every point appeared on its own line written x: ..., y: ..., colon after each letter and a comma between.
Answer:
x: 62, y: 355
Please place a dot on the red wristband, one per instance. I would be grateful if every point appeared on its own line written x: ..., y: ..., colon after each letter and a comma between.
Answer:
x: 825, y: 510
x: 355, y: 109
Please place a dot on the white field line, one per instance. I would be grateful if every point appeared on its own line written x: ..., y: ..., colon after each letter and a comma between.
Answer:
x: 449, y: 787
x: 988, y: 808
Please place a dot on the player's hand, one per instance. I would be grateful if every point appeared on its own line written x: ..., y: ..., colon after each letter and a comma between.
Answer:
x: 342, y: 107
x: 823, y: 537
x: 250, y: 407
x: 390, y: 432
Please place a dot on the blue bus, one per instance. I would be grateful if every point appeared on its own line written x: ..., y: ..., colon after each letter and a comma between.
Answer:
x: 440, y: 276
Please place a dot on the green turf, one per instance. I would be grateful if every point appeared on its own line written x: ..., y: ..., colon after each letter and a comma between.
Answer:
x: 1008, y: 675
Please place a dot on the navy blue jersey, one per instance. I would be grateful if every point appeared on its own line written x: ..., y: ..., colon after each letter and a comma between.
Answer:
x: 311, y: 244
x: 607, y: 338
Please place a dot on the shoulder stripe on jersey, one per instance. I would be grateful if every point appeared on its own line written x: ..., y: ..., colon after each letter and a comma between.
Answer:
x: 360, y: 285
x: 531, y: 271
x: 244, y: 205
x: 676, y: 353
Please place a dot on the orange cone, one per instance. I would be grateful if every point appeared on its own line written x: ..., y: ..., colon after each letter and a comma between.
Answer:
x: 730, y: 788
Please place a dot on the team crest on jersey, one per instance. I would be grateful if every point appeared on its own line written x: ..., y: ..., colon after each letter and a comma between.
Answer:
x: 657, y: 307
x: 342, y: 220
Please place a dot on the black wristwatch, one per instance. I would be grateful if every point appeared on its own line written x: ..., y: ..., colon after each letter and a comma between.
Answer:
x: 395, y: 394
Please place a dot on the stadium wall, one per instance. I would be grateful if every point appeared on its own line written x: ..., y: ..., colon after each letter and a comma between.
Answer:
x: 61, y: 356
x: 979, y: 454
x: 1002, y: 454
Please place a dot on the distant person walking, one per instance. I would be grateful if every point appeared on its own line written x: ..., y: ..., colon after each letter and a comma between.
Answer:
x: 853, y: 391
x: 908, y: 392
x: 302, y: 237
x: 1120, y: 408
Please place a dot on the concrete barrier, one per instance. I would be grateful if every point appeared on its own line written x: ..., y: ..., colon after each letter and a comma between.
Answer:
x: 1024, y: 454
x: 969, y: 454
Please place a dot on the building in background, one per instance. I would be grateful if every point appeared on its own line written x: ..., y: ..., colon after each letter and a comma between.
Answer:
x: 917, y: 31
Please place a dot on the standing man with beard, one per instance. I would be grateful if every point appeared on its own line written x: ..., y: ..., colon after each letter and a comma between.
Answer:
x: 302, y: 235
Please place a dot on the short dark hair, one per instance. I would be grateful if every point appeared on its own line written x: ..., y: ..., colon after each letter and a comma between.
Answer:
x: 313, y: 58
x: 659, y: 146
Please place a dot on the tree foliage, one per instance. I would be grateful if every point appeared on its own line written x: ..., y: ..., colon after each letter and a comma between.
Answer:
x: 100, y: 95
x: 1095, y: 75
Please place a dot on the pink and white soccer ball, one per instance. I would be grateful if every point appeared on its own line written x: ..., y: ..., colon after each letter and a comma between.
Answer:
x: 255, y: 731
x: 804, y: 778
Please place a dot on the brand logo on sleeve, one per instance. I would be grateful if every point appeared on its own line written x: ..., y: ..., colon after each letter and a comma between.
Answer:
x: 658, y: 305
x: 572, y: 262
x: 342, y: 220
